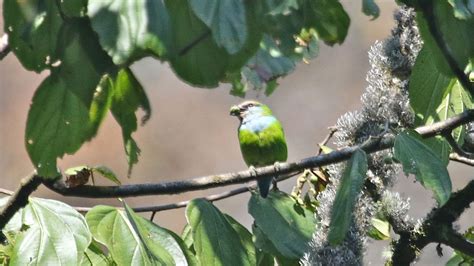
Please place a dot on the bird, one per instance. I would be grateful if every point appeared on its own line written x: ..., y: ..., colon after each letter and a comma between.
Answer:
x: 261, y: 137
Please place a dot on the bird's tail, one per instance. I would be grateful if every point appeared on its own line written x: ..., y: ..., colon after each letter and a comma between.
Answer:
x: 264, y: 185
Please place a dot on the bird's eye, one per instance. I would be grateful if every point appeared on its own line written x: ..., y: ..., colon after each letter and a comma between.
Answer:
x: 250, y: 105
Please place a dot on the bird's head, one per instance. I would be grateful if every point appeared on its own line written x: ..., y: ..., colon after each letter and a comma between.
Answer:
x: 249, y: 108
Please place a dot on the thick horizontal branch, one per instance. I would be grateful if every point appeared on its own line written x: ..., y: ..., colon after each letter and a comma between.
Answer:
x: 205, y: 182
x: 437, y: 228
x: 458, y: 158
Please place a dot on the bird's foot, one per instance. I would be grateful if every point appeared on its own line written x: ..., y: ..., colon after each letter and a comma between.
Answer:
x: 253, y: 170
x: 277, y: 168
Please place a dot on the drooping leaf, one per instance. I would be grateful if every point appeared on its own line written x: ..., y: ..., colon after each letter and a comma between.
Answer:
x: 107, y: 173
x: 68, y: 106
x: 329, y: 19
x: 284, y: 222
x: 265, y: 246
x: 226, y: 19
x: 420, y: 160
x: 141, y: 241
x: 129, y: 30
x: 370, y: 8
x: 33, y: 28
x: 128, y: 96
x: 194, y: 55
x: 216, y: 240
x: 351, y: 183
x: 446, y: 98
x: 460, y: 41
x: 48, y: 232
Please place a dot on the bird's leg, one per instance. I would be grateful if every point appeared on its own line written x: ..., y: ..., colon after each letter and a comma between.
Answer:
x: 276, y: 166
x: 253, y: 173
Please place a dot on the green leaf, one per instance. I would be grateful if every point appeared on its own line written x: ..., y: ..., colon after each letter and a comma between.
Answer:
x: 446, y: 99
x: 95, y: 256
x: 280, y: 7
x: 33, y: 28
x: 267, y: 65
x: 49, y: 232
x: 463, y: 9
x: 187, y: 236
x: 352, y: 181
x: 68, y: 106
x: 74, y: 8
x: 284, y: 222
x: 370, y: 8
x: 420, y: 160
x: 107, y: 173
x: 128, y: 96
x: 216, y: 240
x: 195, y: 56
x: 329, y: 19
x: 226, y: 19
x: 379, y: 230
x: 141, y: 241
x: 129, y: 30
x: 460, y: 41
x: 265, y: 246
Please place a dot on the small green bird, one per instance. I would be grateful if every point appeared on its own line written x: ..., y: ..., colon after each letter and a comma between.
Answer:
x: 261, y: 137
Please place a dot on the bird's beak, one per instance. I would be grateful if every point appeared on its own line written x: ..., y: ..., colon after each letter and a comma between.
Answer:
x: 235, y: 110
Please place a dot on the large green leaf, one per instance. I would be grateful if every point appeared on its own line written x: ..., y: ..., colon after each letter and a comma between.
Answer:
x: 329, y: 19
x: 128, y: 96
x: 141, y: 241
x: 48, y: 232
x: 457, y: 34
x: 33, y: 28
x: 68, y: 106
x: 226, y: 19
x: 216, y: 239
x: 446, y: 98
x: 284, y: 222
x: 420, y: 160
x: 130, y: 29
x: 195, y: 56
x: 352, y: 181
x: 267, y: 253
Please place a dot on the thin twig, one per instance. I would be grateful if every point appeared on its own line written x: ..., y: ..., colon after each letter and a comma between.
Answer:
x: 454, y: 144
x: 6, y: 191
x: 4, y: 46
x: 457, y: 158
x: 18, y: 200
x: 332, y: 130
x: 199, y: 183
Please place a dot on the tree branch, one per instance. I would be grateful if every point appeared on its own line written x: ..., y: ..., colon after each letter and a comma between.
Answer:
x: 4, y: 47
x: 18, y: 200
x: 205, y: 182
x: 457, y: 158
x: 437, y: 228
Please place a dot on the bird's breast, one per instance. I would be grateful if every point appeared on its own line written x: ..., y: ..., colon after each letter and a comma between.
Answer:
x: 257, y: 124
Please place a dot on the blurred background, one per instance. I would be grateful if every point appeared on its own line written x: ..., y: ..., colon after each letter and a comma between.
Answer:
x: 191, y: 134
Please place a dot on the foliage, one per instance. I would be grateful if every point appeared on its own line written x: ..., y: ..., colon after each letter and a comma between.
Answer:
x: 87, y: 47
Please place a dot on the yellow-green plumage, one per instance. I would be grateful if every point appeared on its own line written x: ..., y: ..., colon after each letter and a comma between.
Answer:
x: 261, y: 137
